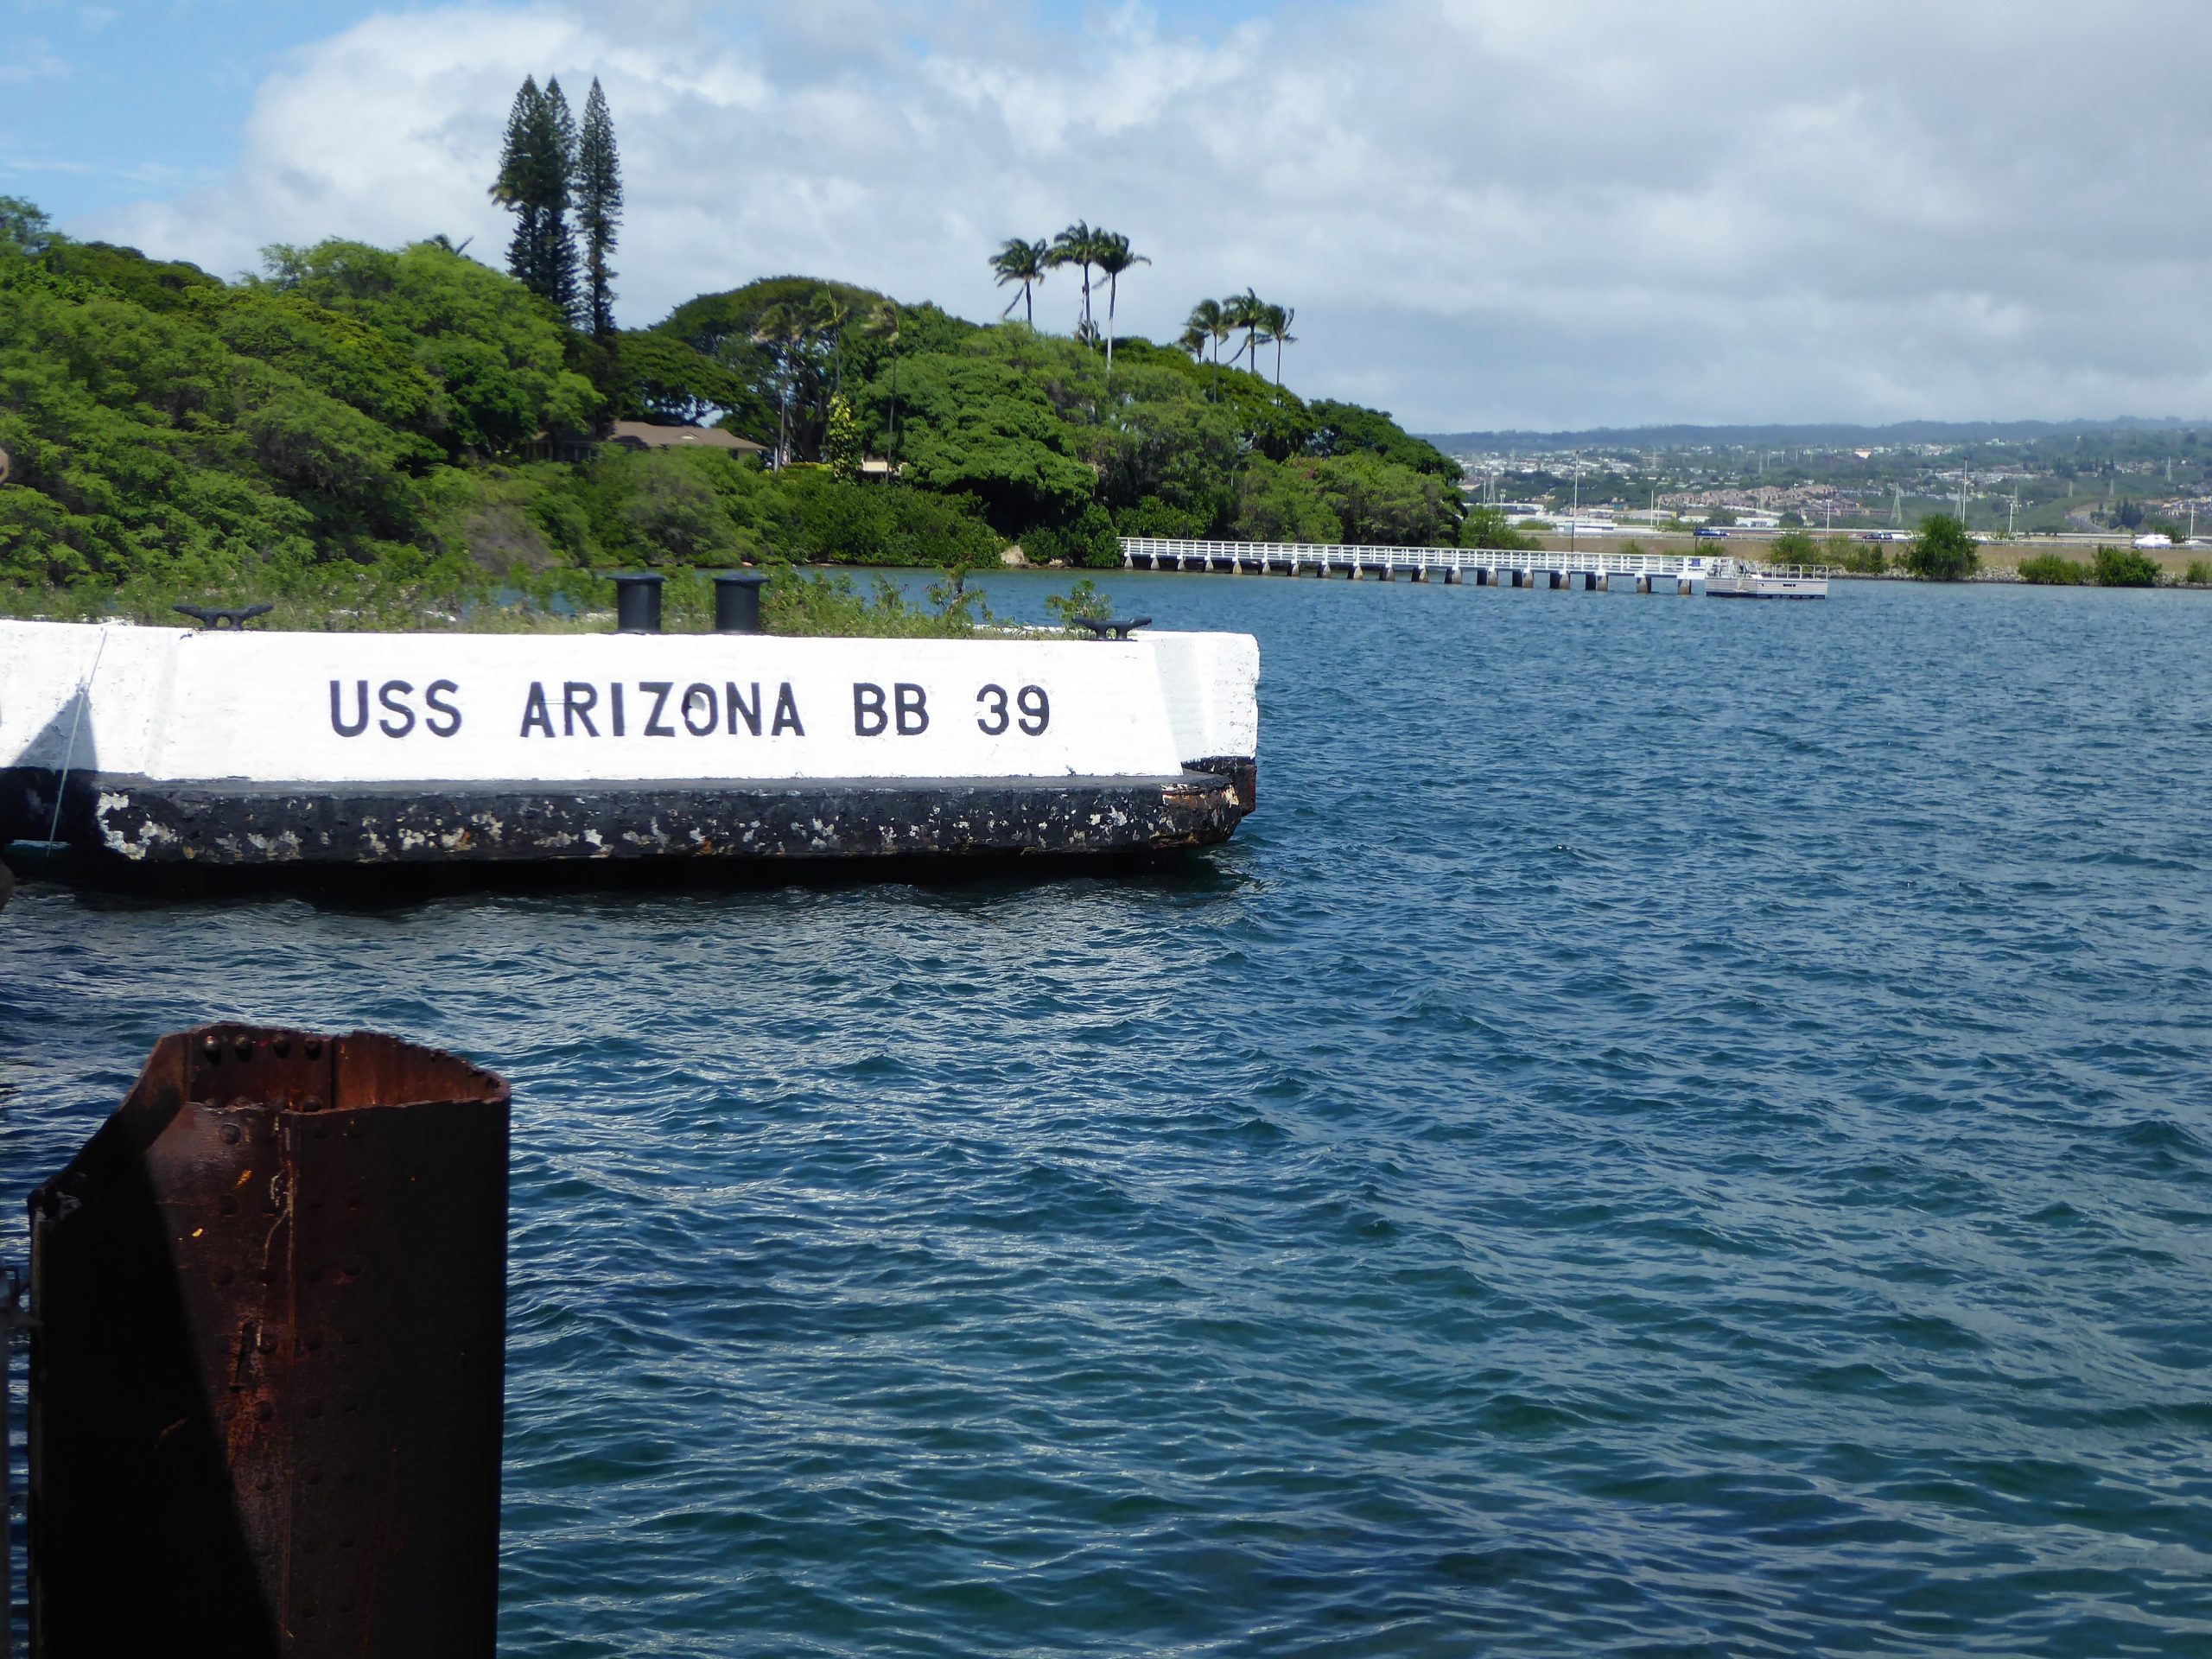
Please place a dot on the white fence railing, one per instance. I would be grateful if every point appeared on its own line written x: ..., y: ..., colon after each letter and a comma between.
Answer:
x: 1161, y: 553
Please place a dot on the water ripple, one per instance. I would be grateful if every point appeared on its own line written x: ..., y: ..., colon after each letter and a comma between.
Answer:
x: 1679, y: 1129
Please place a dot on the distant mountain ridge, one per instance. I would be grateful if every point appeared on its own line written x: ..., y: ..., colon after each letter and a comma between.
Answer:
x: 1815, y: 434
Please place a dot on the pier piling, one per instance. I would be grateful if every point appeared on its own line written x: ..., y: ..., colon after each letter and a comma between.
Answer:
x: 266, y: 1376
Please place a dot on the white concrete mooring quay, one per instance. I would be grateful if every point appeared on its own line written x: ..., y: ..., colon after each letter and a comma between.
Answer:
x: 1711, y: 575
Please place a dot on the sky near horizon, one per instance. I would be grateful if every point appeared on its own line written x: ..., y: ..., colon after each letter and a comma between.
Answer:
x: 1487, y: 212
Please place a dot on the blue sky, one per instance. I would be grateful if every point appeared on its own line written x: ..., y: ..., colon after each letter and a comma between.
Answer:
x: 141, y: 98
x: 1486, y: 212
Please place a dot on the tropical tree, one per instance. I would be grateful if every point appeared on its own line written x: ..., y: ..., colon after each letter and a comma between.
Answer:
x: 1077, y: 245
x: 1025, y: 263
x: 1114, y: 256
x: 1279, y: 321
x: 518, y: 186
x: 1247, y: 311
x: 537, y: 167
x: 1209, y: 321
x: 599, y: 209
x: 884, y: 321
x: 781, y: 332
x: 24, y: 225
x: 1943, y: 550
x: 560, y: 279
x: 841, y: 441
x: 1194, y: 341
x: 826, y: 315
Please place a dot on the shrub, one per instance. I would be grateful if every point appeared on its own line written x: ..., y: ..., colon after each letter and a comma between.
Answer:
x: 2049, y: 571
x: 1792, y: 547
x: 1087, y: 541
x: 1855, y: 559
x: 1154, y: 517
x: 1944, y: 551
x: 841, y: 522
x: 1486, y: 527
x: 809, y: 602
x: 1084, y: 599
x: 2199, y: 573
x: 2123, y: 566
x: 674, y: 516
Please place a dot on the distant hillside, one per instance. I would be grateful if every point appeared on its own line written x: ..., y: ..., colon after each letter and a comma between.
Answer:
x: 1821, y: 435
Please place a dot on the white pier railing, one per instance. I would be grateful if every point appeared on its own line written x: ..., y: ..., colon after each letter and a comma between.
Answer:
x: 1478, y: 565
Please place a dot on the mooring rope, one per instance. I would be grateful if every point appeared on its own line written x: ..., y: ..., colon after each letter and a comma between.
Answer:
x: 76, y: 719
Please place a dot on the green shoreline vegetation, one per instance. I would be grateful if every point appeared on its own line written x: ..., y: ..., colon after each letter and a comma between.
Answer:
x: 374, y: 437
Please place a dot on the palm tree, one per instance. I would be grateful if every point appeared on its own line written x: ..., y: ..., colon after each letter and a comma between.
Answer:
x: 1279, y: 321
x: 1077, y: 245
x: 1210, y: 321
x: 780, y: 330
x: 1024, y: 263
x: 1114, y: 257
x: 1247, y: 311
x: 883, y: 321
x: 1194, y: 341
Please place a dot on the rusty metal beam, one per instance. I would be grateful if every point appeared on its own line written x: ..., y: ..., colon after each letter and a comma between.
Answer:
x: 266, y: 1379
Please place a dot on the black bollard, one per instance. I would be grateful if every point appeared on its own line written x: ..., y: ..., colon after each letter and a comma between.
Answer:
x: 636, y: 601
x: 268, y: 1357
x: 737, y: 601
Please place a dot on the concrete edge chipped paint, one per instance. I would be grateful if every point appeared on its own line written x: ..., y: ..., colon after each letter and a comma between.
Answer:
x: 160, y: 745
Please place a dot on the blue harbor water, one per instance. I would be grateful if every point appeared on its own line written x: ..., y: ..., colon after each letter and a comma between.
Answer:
x: 1679, y: 1127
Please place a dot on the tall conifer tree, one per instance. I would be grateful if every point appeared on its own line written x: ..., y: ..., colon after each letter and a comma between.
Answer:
x: 537, y: 167
x: 599, y: 208
x: 558, y: 279
x: 517, y: 187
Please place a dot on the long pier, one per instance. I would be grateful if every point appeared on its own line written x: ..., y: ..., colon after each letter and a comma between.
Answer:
x: 1644, y: 573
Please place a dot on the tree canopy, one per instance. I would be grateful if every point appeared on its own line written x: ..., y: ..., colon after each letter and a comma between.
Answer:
x: 1942, y: 551
x: 355, y: 416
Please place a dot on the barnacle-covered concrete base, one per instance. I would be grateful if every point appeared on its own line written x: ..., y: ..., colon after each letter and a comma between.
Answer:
x: 148, y: 821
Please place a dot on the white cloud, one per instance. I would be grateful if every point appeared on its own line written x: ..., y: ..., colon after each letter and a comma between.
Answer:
x: 1486, y: 212
x: 29, y: 59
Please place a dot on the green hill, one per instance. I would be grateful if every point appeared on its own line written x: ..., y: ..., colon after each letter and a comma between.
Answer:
x: 358, y: 423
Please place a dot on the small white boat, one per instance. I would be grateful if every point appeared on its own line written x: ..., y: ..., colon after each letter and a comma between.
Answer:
x: 1741, y: 580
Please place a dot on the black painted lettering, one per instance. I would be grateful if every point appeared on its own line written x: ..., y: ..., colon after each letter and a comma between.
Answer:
x: 615, y: 711
x: 786, y: 712
x: 577, y: 701
x: 534, y: 712
x: 912, y: 704
x: 1036, y: 709
x: 741, y: 710
x: 398, y: 705
x: 438, y: 705
x: 360, y: 711
x: 869, y: 718
x: 994, y: 718
x: 699, y: 698
x: 655, y: 726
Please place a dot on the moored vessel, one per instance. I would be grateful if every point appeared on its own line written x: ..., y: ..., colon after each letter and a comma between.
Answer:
x: 1749, y: 582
